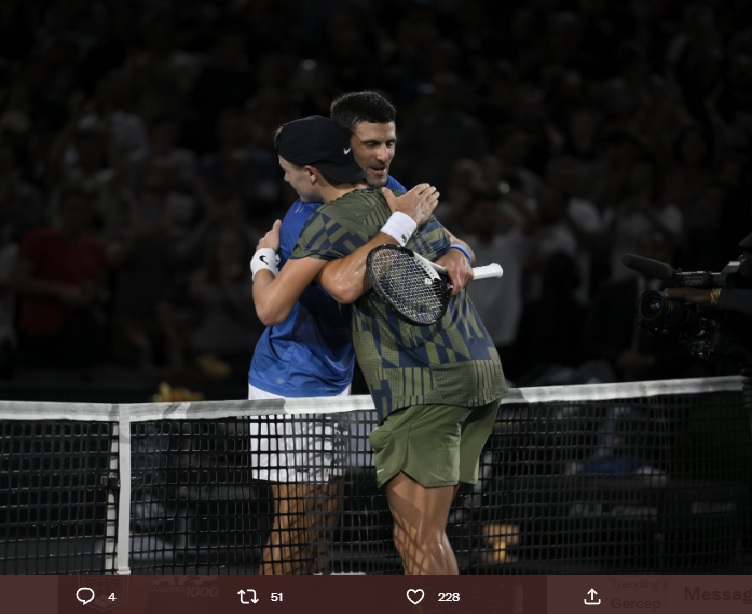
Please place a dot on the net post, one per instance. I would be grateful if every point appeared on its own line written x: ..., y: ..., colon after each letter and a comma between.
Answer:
x: 113, y: 497
x: 124, y: 501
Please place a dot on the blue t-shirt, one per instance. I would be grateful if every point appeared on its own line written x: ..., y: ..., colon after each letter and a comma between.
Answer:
x: 310, y: 353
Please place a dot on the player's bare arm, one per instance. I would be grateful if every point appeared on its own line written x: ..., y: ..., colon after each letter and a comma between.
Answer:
x: 275, y: 295
x: 345, y: 279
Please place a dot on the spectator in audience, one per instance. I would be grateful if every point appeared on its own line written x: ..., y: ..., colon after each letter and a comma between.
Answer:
x: 640, y: 211
x: 236, y: 164
x: 16, y: 136
x: 222, y: 327
x: 549, y: 337
x: 163, y: 148
x: 509, y: 162
x: 690, y: 168
x: 695, y: 57
x: 549, y: 233
x: 24, y: 205
x: 495, y: 239
x: 113, y: 107
x: 217, y: 211
x: 8, y: 249
x: 82, y: 152
x: 564, y: 174
x: 224, y: 80
x: 162, y: 71
x: 580, y: 135
x: 60, y: 276
x: 145, y: 315
x: 444, y: 132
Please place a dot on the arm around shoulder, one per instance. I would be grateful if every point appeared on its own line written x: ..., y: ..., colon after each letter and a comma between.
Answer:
x: 345, y: 279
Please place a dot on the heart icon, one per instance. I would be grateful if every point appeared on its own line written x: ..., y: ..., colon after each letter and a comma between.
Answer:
x: 415, y: 595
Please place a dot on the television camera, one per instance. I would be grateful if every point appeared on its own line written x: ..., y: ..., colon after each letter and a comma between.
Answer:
x: 709, y: 333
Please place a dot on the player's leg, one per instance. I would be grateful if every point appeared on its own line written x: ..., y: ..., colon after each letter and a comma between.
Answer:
x: 288, y: 549
x: 310, y: 454
x: 421, y: 454
x: 270, y: 439
x: 304, y: 517
x: 327, y: 453
x: 420, y: 518
x: 416, y: 452
x: 323, y: 517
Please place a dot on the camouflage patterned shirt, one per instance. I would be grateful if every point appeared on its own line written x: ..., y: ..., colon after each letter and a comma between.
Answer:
x: 453, y: 361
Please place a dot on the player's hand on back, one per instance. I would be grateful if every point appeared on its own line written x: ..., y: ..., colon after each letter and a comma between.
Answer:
x: 418, y: 203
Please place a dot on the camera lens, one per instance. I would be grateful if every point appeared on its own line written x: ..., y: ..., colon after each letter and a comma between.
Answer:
x: 651, y: 305
x: 662, y: 314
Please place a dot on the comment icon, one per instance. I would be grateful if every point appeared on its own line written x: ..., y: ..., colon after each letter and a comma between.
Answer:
x: 85, y: 595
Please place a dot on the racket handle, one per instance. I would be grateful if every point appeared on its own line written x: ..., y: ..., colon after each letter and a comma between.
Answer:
x: 481, y: 272
x: 488, y: 270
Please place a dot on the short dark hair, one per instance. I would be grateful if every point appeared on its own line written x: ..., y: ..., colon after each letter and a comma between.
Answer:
x: 354, y: 108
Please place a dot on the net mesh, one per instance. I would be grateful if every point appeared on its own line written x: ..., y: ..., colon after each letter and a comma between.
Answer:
x: 652, y: 478
x: 56, y: 490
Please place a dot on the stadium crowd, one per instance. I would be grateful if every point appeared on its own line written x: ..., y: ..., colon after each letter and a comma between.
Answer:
x: 137, y: 169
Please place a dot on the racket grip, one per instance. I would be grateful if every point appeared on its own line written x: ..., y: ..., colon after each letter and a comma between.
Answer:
x: 488, y: 270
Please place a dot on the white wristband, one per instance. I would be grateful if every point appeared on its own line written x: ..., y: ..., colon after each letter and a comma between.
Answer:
x: 264, y: 258
x: 400, y: 226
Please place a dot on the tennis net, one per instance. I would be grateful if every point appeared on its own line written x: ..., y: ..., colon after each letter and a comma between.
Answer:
x: 649, y: 477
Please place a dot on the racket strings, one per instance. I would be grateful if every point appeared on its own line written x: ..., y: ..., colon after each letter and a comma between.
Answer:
x: 414, y: 291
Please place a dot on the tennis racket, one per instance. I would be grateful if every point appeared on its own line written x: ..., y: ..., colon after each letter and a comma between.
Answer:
x: 412, y: 285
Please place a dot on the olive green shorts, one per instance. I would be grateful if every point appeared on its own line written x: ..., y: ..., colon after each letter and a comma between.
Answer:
x: 436, y: 445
